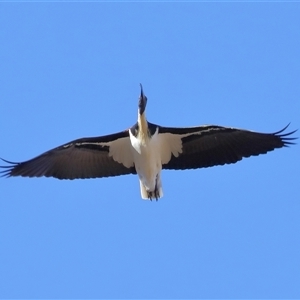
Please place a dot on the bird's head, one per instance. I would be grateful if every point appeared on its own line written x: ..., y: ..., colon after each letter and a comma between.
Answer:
x: 142, y: 101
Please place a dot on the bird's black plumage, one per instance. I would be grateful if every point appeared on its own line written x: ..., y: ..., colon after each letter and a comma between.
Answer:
x: 81, y: 158
x: 208, y: 146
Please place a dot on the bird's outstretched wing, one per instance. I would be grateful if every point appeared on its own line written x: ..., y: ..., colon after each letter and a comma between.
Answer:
x: 208, y: 146
x: 102, y: 156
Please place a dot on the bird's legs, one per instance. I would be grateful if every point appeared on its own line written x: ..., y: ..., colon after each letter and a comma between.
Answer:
x: 154, y: 193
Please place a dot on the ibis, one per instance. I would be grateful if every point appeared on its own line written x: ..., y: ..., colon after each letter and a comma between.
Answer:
x: 146, y: 149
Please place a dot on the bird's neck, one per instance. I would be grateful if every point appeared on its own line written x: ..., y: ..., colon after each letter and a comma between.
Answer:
x: 143, y: 128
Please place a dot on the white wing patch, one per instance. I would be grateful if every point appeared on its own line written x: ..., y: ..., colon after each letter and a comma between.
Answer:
x: 170, y: 144
x: 120, y: 151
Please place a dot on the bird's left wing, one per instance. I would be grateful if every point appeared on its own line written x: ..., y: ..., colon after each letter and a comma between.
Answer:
x: 102, y: 156
x: 207, y: 146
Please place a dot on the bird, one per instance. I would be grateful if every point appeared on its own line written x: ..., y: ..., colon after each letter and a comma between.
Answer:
x: 146, y: 149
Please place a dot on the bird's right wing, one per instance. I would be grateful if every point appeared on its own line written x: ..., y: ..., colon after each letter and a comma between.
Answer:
x: 207, y: 146
x: 103, y: 156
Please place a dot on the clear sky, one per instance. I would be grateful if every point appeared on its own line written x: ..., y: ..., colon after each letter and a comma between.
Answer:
x: 72, y: 70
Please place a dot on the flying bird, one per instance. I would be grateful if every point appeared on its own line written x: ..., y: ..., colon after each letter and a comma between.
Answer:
x: 145, y: 149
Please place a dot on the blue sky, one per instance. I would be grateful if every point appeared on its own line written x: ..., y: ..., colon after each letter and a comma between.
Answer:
x: 71, y: 70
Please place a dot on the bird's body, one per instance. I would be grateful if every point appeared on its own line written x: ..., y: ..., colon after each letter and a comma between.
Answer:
x: 147, y: 161
x: 145, y: 149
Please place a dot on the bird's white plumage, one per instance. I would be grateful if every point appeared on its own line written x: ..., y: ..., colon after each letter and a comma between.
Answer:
x: 147, y: 160
x: 169, y: 144
x: 120, y: 151
x: 147, y: 154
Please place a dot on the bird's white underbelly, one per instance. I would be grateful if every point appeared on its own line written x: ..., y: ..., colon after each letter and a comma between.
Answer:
x: 147, y: 160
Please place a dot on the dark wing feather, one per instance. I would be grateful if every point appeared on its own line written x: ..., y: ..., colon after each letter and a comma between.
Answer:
x: 208, y: 146
x: 82, y: 158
